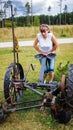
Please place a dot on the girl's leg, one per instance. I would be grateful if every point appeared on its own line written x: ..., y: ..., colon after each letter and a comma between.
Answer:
x: 51, y: 63
x: 42, y: 69
x: 44, y: 77
x: 51, y: 76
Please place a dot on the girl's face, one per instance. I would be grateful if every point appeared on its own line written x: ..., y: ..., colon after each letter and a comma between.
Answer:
x: 44, y: 31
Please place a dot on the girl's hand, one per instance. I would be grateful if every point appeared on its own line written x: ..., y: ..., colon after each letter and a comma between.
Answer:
x: 45, y: 53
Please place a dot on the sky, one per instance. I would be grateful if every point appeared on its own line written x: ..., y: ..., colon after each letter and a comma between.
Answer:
x: 41, y: 6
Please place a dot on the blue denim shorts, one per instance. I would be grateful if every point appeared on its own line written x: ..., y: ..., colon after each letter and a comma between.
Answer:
x: 49, y: 66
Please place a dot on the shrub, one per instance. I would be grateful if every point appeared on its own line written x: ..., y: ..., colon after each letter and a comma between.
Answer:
x: 61, y: 69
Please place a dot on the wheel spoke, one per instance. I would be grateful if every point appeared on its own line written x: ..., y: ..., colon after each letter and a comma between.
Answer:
x: 10, y: 89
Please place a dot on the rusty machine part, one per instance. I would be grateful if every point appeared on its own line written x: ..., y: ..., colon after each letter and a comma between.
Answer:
x: 58, y: 96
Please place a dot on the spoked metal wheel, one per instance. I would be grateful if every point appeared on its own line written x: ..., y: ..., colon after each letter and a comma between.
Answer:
x: 12, y: 91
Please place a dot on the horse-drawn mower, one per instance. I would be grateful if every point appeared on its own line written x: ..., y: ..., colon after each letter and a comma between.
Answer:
x: 58, y: 96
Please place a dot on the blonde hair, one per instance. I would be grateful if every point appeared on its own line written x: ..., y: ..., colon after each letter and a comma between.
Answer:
x: 45, y: 25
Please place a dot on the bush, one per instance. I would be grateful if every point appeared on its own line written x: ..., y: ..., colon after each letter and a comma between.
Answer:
x: 63, y: 35
x: 61, y: 69
x: 8, y: 23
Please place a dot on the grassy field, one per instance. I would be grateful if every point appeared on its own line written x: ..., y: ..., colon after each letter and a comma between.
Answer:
x: 32, y: 119
x: 28, y: 33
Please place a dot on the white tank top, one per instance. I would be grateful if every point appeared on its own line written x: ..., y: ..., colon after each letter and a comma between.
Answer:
x: 45, y: 45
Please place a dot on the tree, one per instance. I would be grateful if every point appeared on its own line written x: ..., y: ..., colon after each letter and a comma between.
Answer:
x: 1, y: 18
x: 49, y: 9
x: 36, y: 21
x: 60, y: 4
x: 31, y: 13
x: 7, y: 5
x: 65, y: 11
x: 1, y: 14
x: 15, y: 13
x: 27, y: 6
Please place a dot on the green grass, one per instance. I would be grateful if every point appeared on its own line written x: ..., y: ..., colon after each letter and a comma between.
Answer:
x: 32, y: 119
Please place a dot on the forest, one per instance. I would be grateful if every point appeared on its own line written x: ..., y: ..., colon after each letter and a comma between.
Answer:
x: 21, y: 21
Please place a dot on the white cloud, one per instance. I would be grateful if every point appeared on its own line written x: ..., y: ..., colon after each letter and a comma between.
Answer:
x: 41, y: 6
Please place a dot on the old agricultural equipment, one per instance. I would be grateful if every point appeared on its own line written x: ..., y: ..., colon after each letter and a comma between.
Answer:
x: 58, y: 95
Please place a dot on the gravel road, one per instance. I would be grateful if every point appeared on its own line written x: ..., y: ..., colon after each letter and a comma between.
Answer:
x: 30, y: 43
